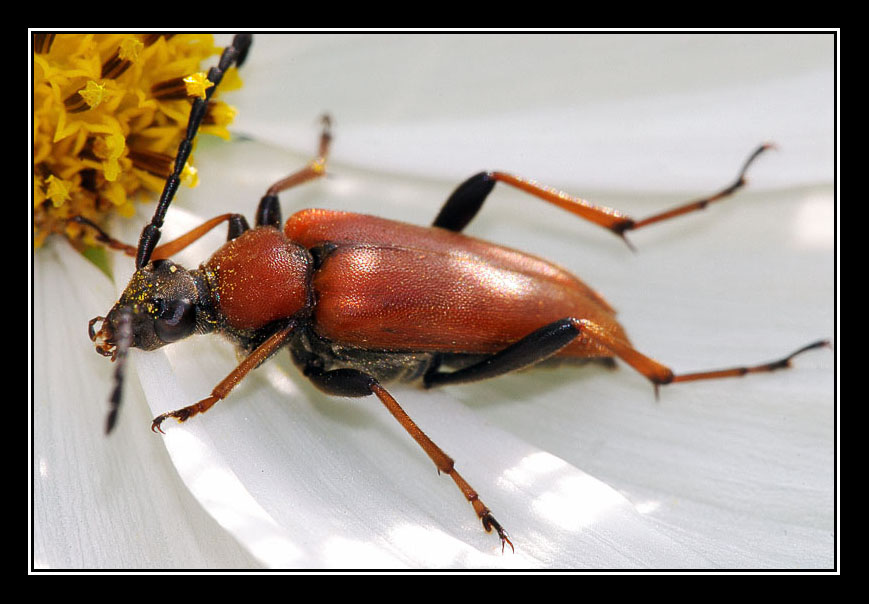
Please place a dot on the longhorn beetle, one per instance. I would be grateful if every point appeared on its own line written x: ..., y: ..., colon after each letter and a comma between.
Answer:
x: 360, y: 301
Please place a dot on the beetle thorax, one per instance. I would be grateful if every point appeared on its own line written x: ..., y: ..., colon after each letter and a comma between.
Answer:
x: 260, y: 277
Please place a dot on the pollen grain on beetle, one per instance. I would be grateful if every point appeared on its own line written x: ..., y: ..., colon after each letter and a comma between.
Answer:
x: 108, y: 113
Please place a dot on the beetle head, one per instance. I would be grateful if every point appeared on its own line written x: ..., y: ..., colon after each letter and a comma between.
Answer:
x: 161, y: 304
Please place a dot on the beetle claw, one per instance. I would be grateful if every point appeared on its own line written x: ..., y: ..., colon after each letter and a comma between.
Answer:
x: 182, y: 415
x: 155, y: 425
x: 490, y: 523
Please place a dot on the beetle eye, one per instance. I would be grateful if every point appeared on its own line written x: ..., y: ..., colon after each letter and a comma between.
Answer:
x: 175, y: 321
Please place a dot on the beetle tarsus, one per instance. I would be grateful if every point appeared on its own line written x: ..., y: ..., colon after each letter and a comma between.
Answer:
x: 786, y: 362
x: 490, y: 523
x: 812, y: 346
x: 182, y: 415
x: 627, y: 241
x: 782, y: 363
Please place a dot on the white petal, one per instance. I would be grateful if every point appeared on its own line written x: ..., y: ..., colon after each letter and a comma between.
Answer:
x: 640, y: 113
x: 102, y: 502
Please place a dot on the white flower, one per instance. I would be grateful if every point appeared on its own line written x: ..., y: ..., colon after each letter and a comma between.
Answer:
x: 583, y: 467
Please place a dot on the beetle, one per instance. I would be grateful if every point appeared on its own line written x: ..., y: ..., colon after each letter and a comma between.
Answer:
x: 360, y: 301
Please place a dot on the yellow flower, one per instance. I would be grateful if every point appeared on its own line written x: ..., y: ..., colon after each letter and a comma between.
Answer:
x: 108, y: 113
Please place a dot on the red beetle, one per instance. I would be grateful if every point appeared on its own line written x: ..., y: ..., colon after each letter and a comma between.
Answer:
x: 361, y: 301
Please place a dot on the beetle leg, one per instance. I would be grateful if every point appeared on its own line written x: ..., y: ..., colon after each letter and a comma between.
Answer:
x: 782, y: 363
x: 353, y: 383
x: 222, y: 390
x: 468, y: 198
x: 530, y: 350
x: 268, y: 212
x: 659, y: 374
x: 237, y: 225
x: 549, y: 339
x: 465, y: 202
x: 443, y: 462
x: 103, y: 237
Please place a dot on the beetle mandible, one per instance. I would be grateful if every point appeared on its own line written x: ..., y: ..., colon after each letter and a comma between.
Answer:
x: 360, y: 301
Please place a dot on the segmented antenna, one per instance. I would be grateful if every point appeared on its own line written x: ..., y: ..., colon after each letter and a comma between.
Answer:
x: 236, y: 53
x: 124, y: 336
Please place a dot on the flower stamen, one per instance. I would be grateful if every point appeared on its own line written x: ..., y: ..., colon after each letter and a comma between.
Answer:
x: 153, y: 162
x: 127, y: 53
x: 193, y: 85
x: 42, y: 43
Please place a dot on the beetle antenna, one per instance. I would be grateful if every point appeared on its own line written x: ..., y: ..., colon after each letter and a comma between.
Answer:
x: 235, y: 53
x: 124, y: 335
